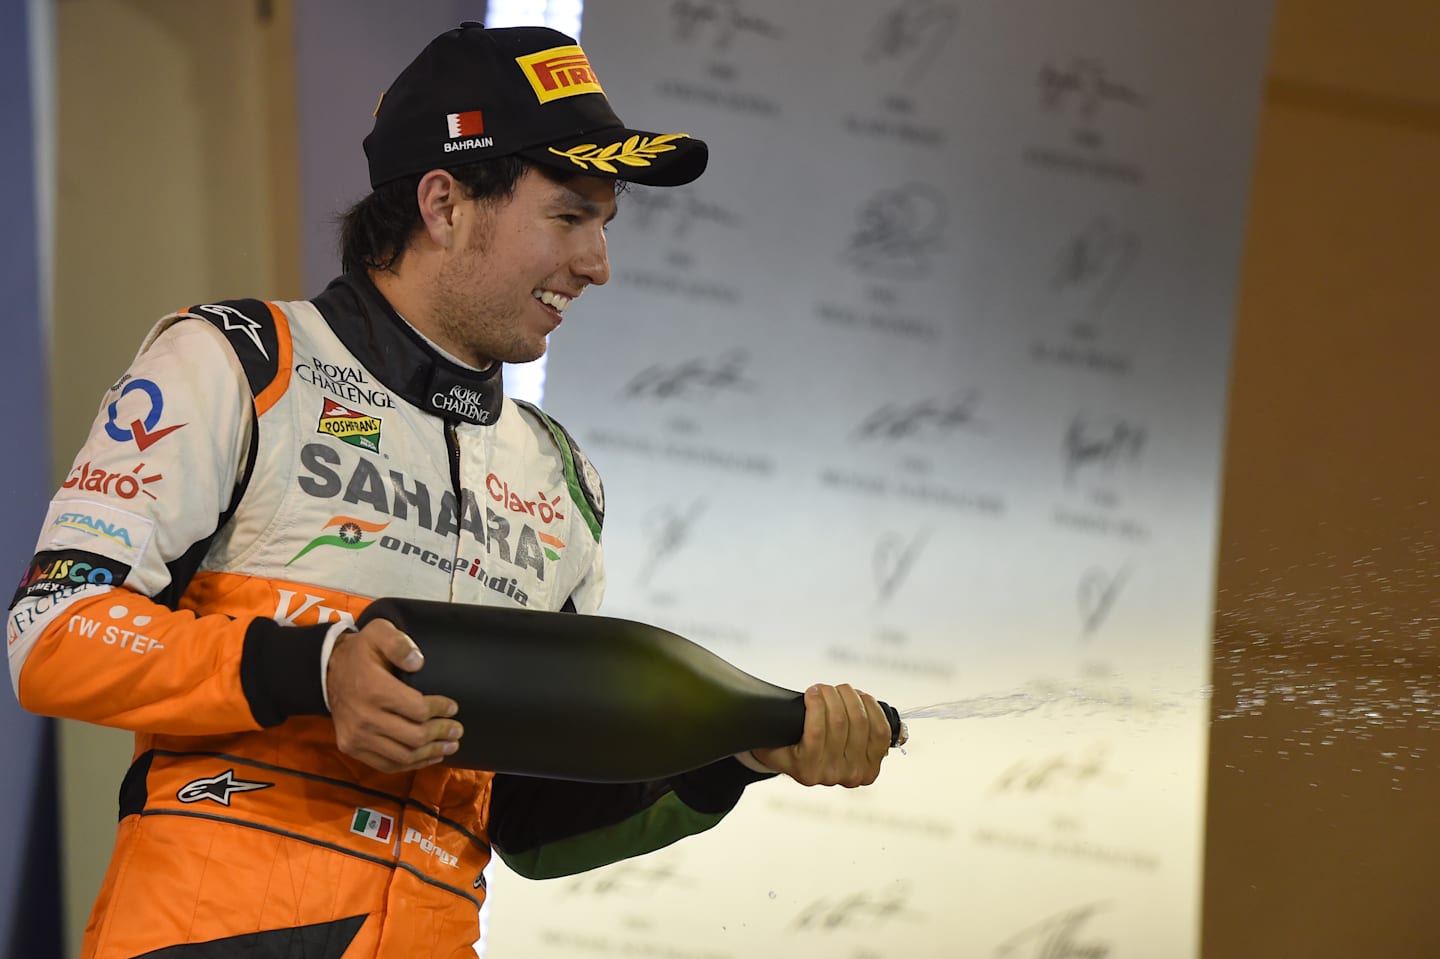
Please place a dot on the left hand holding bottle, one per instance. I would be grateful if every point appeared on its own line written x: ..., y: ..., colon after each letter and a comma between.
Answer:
x: 846, y: 737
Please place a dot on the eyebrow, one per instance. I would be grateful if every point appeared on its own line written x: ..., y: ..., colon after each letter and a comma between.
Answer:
x: 586, y: 206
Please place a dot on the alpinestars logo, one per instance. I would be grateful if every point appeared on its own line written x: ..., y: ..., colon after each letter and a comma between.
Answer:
x: 217, y: 788
x: 237, y: 322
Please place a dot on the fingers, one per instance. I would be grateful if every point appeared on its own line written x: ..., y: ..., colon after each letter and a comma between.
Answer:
x: 877, y: 744
x: 846, y: 736
x: 391, y: 744
x: 379, y: 719
x: 832, y: 760
x: 398, y: 648
x: 855, y: 763
x: 880, y: 732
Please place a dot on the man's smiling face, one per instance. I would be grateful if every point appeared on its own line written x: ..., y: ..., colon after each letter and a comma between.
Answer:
x: 517, y: 263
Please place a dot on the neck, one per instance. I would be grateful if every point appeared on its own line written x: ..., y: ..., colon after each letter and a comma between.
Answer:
x: 404, y: 293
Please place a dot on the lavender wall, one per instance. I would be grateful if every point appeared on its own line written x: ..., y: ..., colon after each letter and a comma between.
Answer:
x: 29, y: 869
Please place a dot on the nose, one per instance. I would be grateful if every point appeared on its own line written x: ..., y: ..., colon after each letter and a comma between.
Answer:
x: 592, y: 261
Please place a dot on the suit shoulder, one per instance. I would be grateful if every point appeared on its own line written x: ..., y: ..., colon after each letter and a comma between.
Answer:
x: 586, y: 489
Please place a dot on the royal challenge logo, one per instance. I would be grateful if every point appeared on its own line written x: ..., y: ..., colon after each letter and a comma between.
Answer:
x: 350, y: 534
x: 350, y: 426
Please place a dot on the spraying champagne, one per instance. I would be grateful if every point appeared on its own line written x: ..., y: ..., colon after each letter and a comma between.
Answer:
x: 590, y: 698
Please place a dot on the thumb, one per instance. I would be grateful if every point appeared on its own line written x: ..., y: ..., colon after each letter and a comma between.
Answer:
x: 400, y: 649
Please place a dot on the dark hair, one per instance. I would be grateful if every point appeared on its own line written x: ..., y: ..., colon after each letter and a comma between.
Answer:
x: 375, y: 232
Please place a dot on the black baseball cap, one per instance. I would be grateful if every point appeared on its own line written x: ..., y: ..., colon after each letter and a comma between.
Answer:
x: 476, y: 93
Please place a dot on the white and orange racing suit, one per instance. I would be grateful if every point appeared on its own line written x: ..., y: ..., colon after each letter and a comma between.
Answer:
x: 258, y: 475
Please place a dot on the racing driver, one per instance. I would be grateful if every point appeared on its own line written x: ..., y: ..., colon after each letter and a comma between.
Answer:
x: 262, y: 470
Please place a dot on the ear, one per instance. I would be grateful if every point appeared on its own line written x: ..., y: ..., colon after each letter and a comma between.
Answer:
x: 437, y: 195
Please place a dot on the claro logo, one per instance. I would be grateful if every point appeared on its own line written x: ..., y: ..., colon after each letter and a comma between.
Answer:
x: 124, y: 485
x: 542, y: 509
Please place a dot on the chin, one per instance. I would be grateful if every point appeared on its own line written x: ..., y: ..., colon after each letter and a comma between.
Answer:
x: 520, y: 357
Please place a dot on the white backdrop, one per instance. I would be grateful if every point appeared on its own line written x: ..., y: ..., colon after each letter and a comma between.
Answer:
x: 921, y: 387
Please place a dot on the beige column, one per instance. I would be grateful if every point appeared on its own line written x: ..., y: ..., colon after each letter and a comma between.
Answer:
x: 1321, y: 834
x: 176, y: 184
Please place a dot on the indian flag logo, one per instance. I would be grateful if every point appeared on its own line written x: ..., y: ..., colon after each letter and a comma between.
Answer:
x: 375, y: 825
x: 351, y: 535
x: 553, y: 545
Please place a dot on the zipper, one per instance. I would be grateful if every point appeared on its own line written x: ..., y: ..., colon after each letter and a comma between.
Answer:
x: 452, y: 446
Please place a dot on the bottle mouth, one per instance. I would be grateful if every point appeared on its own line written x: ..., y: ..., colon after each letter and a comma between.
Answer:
x: 901, y: 737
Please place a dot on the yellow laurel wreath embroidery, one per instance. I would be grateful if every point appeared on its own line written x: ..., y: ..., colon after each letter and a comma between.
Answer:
x: 636, y: 151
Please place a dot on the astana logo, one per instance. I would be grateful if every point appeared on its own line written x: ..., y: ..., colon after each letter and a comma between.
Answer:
x: 351, y: 535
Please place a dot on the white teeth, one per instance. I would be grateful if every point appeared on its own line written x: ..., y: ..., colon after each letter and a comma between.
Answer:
x: 550, y: 298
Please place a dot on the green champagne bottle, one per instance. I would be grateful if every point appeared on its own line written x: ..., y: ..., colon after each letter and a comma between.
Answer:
x: 590, y: 698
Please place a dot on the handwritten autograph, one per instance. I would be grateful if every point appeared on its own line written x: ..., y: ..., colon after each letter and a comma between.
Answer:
x: 689, y: 379
x: 1122, y: 441
x: 1095, y: 261
x: 923, y: 418
x: 670, y: 537
x: 1056, y: 773
x: 914, y: 29
x: 1083, y: 88
x: 870, y: 908
x: 894, y: 555
x: 645, y: 209
x: 628, y: 878
x: 724, y: 20
x: 1058, y: 937
x: 900, y: 230
x: 1098, y: 591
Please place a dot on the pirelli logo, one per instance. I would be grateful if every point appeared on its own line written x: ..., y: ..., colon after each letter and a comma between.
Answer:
x: 559, y: 72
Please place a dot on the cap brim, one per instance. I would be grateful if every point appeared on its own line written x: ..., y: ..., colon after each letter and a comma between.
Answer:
x: 652, y: 159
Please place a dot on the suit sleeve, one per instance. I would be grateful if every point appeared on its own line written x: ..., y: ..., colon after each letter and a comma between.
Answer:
x: 94, y: 630
x: 545, y: 828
